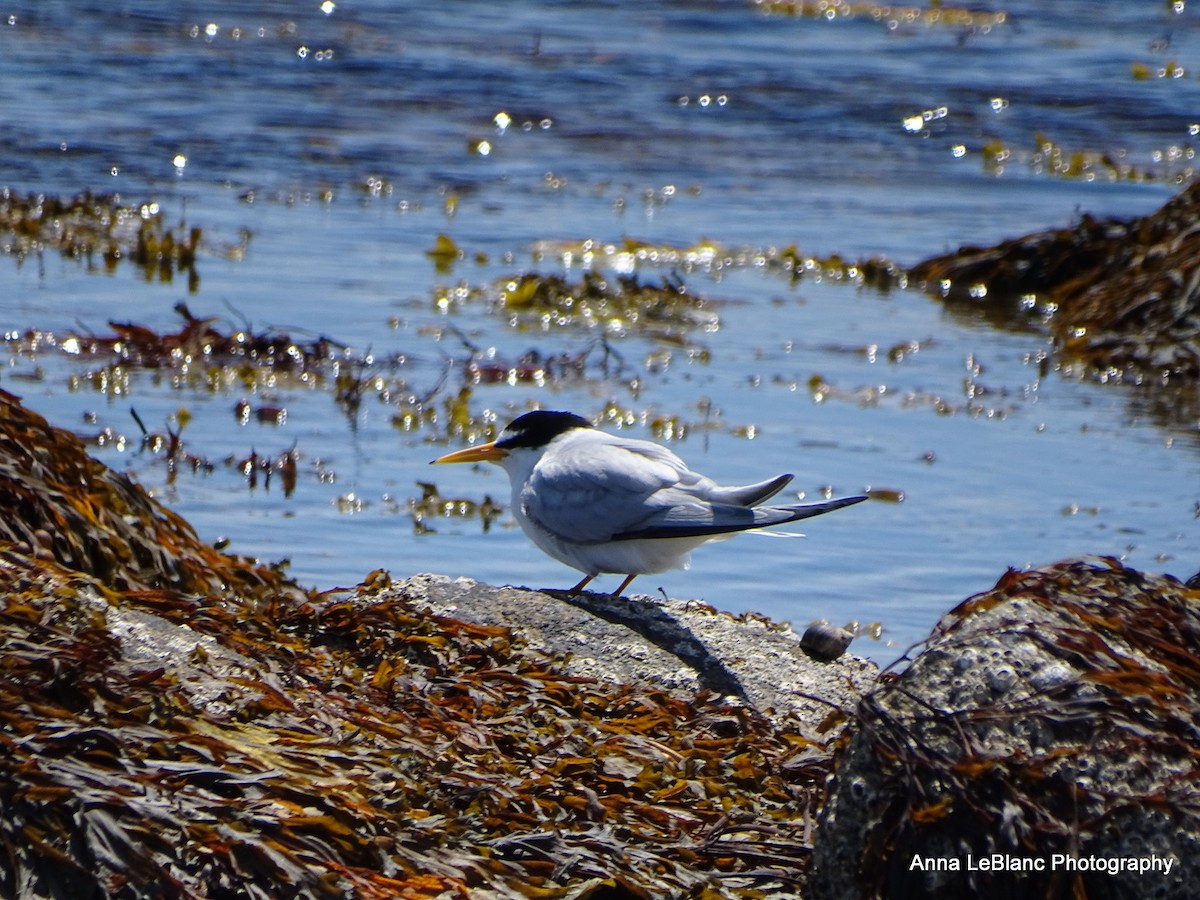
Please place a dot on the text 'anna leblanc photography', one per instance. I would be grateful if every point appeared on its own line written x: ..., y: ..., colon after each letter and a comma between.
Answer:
x: 1055, y: 862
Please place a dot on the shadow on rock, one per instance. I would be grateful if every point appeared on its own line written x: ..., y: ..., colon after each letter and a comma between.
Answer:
x: 658, y: 627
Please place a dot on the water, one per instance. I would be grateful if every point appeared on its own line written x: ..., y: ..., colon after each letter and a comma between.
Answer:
x: 344, y: 142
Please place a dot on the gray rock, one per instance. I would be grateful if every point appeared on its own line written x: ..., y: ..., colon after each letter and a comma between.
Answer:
x: 1049, y: 730
x: 680, y: 645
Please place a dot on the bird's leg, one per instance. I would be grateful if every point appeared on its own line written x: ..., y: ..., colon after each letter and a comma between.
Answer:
x: 624, y: 584
x: 575, y: 591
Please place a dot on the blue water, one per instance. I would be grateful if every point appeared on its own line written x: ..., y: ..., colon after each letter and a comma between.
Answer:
x: 344, y: 142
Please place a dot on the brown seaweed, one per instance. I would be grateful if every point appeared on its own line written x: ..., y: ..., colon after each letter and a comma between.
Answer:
x: 62, y: 504
x: 1121, y: 297
x: 176, y: 721
x: 100, y: 230
x: 1084, y: 744
x: 935, y: 14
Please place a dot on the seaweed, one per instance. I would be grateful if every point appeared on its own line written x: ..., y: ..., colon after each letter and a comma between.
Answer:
x: 627, y: 256
x: 202, y: 343
x: 432, y: 505
x: 1058, y: 713
x: 176, y: 721
x: 1119, y: 297
x: 62, y: 505
x: 933, y: 15
x: 1049, y: 157
x: 616, y: 306
x: 100, y: 230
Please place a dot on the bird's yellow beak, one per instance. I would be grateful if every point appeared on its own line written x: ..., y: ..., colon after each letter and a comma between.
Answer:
x: 488, y: 452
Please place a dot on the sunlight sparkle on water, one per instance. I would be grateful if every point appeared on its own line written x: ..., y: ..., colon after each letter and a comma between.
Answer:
x: 346, y: 175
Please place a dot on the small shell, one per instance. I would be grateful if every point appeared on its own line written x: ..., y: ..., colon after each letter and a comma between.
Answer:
x: 824, y: 642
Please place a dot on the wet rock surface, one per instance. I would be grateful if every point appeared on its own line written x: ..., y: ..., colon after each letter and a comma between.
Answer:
x: 1058, y: 714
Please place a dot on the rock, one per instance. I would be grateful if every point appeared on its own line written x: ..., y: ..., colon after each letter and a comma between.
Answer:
x: 1048, y: 727
x: 824, y: 642
x: 681, y: 645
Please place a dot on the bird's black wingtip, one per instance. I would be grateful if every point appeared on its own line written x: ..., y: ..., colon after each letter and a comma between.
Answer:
x: 808, y: 510
x: 842, y: 502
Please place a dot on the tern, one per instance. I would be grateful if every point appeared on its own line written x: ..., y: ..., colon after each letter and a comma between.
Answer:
x: 601, y: 503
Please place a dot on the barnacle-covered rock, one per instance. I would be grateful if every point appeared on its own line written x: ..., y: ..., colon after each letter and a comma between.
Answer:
x: 1044, y: 743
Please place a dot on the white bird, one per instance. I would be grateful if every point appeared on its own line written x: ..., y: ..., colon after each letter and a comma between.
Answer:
x: 607, y: 504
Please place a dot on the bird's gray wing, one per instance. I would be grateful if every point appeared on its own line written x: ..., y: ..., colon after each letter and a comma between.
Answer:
x: 600, y: 488
x: 698, y: 520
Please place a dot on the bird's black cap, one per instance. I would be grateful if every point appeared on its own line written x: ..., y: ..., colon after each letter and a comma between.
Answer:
x: 538, y: 428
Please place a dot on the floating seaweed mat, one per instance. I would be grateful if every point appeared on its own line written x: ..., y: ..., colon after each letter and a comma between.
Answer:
x: 202, y: 342
x: 1120, y: 295
x: 88, y: 226
x: 180, y: 723
x: 933, y: 14
x: 1047, y: 724
x: 618, y: 303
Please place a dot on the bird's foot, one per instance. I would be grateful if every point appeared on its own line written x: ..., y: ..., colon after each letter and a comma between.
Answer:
x: 558, y: 593
x: 578, y: 589
x: 624, y: 584
x: 570, y: 592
